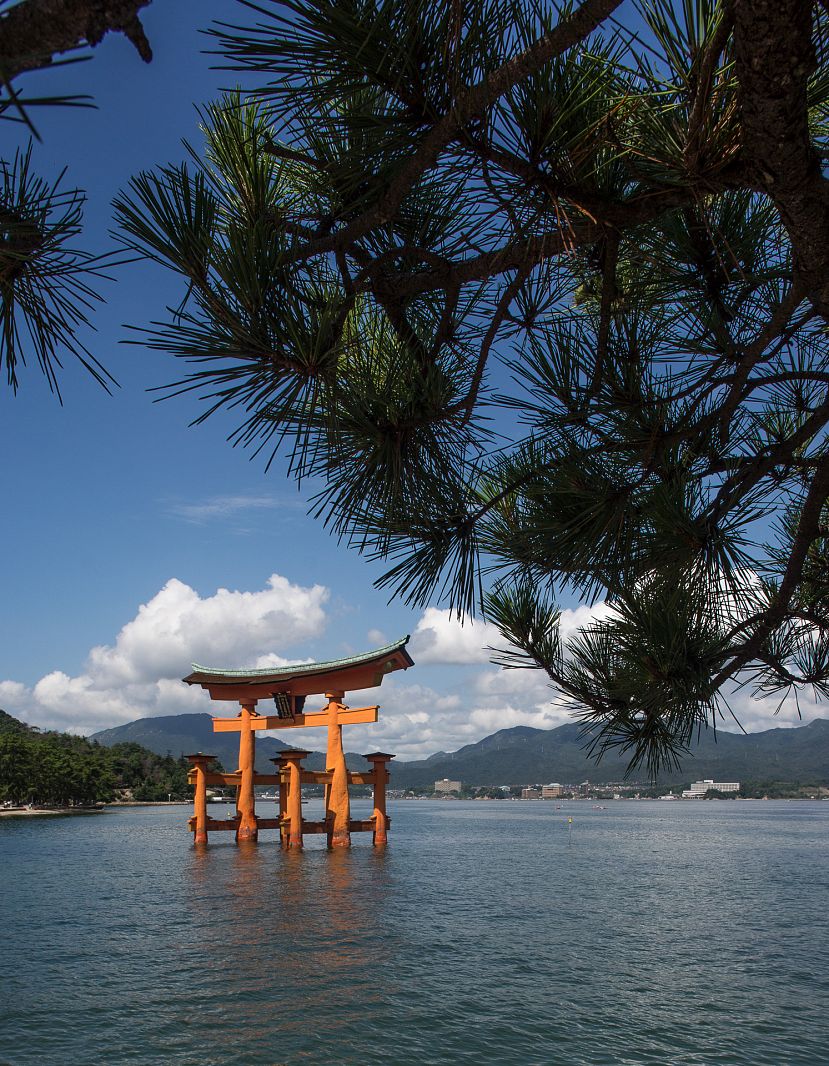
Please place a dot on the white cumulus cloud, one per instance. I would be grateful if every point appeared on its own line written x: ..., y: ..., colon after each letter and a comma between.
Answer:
x: 440, y: 638
x: 139, y: 674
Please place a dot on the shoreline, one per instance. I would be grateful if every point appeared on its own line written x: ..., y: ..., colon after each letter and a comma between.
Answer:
x: 34, y: 812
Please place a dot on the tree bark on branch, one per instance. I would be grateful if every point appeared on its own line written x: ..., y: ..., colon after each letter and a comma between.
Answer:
x: 775, y: 56
x: 32, y: 33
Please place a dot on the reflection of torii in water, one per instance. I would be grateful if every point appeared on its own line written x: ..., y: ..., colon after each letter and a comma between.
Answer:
x: 288, y: 688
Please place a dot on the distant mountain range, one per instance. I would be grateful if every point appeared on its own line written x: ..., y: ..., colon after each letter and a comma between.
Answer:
x: 520, y: 755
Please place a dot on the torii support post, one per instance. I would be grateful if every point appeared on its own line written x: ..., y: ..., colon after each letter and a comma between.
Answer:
x: 378, y: 760
x: 337, y: 807
x: 281, y: 765
x: 245, y: 795
x: 200, y: 762
x: 292, y: 759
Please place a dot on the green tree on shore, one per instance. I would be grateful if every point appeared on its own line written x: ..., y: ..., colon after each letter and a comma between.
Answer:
x: 57, y: 769
x: 17, y: 768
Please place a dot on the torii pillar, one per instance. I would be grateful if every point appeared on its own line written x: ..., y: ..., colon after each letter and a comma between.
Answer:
x: 292, y: 760
x: 200, y: 762
x: 245, y: 796
x: 337, y: 805
x: 379, y: 760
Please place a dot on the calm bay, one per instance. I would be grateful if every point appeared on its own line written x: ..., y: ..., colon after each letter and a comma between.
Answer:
x: 488, y: 932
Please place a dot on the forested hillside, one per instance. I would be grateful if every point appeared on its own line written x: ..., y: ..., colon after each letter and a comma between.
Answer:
x: 62, y: 770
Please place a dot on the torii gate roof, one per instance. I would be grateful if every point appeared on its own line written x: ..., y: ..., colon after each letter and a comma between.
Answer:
x: 304, y: 679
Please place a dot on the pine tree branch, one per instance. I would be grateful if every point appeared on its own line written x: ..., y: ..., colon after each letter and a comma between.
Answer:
x: 467, y: 404
x: 736, y: 488
x: 610, y: 291
x: 702, y: 96
x: 753, y: 353
x: 531, y: 251
x: 808, y: 529
x: 469, y: 104
x: 34, y: 32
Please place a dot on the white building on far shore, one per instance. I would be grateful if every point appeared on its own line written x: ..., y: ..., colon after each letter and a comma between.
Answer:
x: 699, y: 788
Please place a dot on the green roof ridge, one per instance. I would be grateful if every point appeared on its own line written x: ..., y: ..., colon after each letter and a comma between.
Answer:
x: 306, y: 668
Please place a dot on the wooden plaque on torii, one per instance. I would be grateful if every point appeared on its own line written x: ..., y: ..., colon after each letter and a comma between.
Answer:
x: 288, y: 687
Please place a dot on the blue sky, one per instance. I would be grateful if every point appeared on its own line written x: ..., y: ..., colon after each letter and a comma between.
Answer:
x: 113, y: 502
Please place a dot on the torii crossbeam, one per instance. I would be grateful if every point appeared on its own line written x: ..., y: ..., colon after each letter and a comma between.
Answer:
x: 288, y: 688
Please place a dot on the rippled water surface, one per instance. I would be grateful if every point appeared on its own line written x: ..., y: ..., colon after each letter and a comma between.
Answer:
x: 654, y: 933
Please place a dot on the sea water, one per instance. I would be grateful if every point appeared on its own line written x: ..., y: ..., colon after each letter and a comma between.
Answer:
x: 488, y: 932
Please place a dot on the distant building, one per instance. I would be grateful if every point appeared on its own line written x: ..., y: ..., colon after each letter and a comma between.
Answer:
x: 553, y: 791
x: 530, y: 794
x: 447, y: 786
x: 699, y: 788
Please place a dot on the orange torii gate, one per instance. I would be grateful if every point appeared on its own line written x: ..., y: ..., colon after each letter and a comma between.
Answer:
x: 288, y: 688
